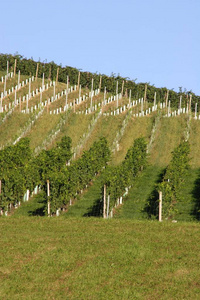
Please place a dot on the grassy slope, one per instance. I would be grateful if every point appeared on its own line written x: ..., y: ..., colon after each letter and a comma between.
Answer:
x: 137, y: 127
x: 169, y: 133
x: 10, y: 129
x: 106, y: 126
x: 42, y: 128
x: 139, y: 195
x: 195, y: 143
x: 89, y: 203
x: 75, y: 127
x: 34, y: 207
x: 55, y: 258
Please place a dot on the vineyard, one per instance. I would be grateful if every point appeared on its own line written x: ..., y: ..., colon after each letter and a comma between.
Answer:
x: 88, y: 166
x: 81, y: 144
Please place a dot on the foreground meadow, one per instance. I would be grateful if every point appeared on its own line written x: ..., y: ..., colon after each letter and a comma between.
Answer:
x: 88, y: 258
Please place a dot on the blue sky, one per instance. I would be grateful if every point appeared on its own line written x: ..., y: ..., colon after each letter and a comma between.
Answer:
x: 155, y: 41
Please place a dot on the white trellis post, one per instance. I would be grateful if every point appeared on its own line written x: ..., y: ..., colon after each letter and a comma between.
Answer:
x: 141, y: 105
x: 195, y: 116
x: 42, y: 81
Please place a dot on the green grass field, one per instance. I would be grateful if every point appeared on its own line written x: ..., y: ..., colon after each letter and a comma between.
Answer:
x: 87, y: 258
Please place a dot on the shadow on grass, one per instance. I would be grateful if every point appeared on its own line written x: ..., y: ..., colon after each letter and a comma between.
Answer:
x: 196, y: 195
x: 151, y: 207
x: 39, y: 206
x: 95, y: 210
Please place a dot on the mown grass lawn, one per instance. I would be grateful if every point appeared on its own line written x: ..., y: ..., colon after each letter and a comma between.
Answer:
x: 88, y: 258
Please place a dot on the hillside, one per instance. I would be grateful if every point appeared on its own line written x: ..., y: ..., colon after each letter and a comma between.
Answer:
x: 45, y: 107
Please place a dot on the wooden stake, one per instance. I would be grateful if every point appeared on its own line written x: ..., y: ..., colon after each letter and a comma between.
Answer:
x: 104, y: 202
x: 37, y: 68
x: 15, y: 67
x: 57, y: 75
x: 79, y: 74
x: 190, y: 105
x: 160, y: 206
x: 100, y: 83
x: 7, y: 66
x: 48, y: 204
x: 126, y: 93
x: 145, y: 93
x: 129, y: 98
x: 0, y: 186
x: 155, y: 101
x: 108, y: 204
x: 122, y: 88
